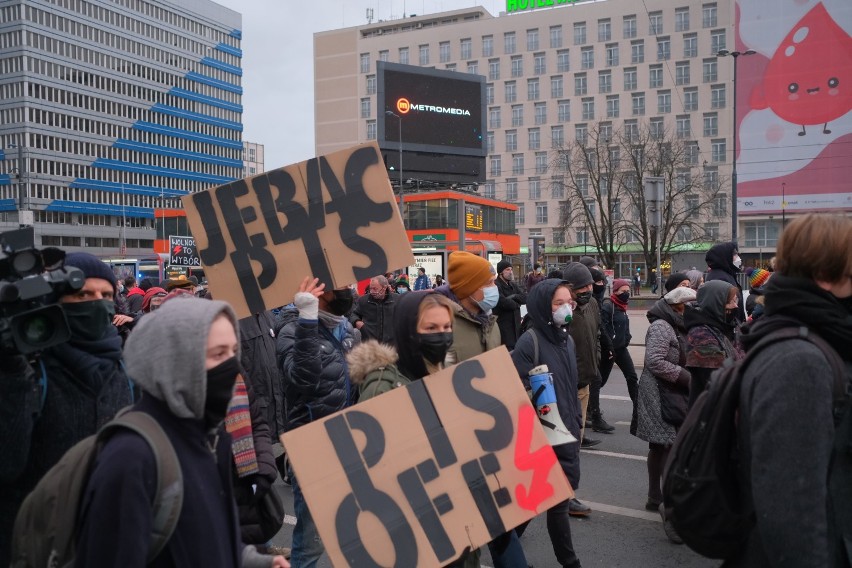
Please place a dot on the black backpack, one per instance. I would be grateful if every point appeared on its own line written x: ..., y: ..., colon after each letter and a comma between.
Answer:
x: 701, y: 484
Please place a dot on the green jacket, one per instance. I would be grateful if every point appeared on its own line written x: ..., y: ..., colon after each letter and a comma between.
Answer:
x: 470, y: 337
x: 372, y: 368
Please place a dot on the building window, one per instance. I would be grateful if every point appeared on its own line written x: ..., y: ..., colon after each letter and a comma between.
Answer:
x: 563, y: 62
x: 720, y: 206
x: 489, y: 93
x: 630, y: 81
x: 487, y: 46
x: 717, y: 41
x: 638, y: 100
x: 631, y: 130
x: 365, y: 63
x: 540, y: 113
x: 690, y: 45
x: 517, y: 66
x: 690, y: 99
x: 517, y: 115
x: 556, y: 87
x: 489, y: 189
x: 655, y: 76
x: 511, y: 91
x: 711, y: 232
x: 581, y: 134
x: 581, y: 86
x: 533, y: 90
x: 691, y: 153
x: 489, y: 142
x: 520, y: 216
x: 637, y: 51
x: 541, y: 212
x: 762, y: 233
x: 444, y: 51
x: 473, y: 67
x: 534, y: 138
x: 710, y: 71
x: 684, y: 128
x: 664, y: 49
x: 494, y: 117
x: 532, y: 40
x: 717, y: 149
x: 604, y: 30
x: 708, y: 15
x: 511, y: 189
x: 517, y: 164
x: 564, y: 111
x: 557, y: 136
x: 371, y: 84
x: 541, y: 162
x: 539, y: 64
x: 371, y: 130
x: 711, y: 177
x: 365, y: 108
x: 509, y: 45
x: 424, y: 55
x: 605, y: 132
x: 664, y: 102
x: 717, y: 96
x: 496, y: 166
x: 612, y: 106
x: 682, y: 73
x: 629, y: 23
x: 588, y: 108
x: 511, y: 140
x: 555, y: 37
x: 579, y: 33
x: 657, y: 128
x: 605, y: 82
x: 384, y: 55
x: 587, y: 57
x: 682, y: 19
x: 403, y: 55
x: 466, y: 48
x: 494, y: 70
x: 655, y: 23
x: 711, y: 124
x: 612, y: 55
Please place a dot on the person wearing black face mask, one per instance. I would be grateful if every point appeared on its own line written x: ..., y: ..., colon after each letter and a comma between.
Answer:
x: 374, y: 312
x: 313, y: 339
x: 189, y: 402
x: 84, y: 386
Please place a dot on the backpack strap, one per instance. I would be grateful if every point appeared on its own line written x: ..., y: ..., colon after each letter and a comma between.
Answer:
x: 168, y: 501
x: 535, y: 346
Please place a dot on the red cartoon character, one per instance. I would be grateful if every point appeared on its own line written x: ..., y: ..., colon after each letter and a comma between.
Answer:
x: 809, y: 79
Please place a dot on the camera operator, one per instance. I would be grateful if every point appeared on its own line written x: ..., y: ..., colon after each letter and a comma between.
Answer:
x: 65, y: 395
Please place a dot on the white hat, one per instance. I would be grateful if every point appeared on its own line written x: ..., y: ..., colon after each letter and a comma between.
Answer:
x: 680, y: 295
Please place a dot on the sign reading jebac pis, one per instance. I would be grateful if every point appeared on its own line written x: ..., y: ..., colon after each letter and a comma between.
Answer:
x: 182, y: 251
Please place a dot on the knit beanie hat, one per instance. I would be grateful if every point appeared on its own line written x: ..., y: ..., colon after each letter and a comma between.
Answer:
x: 598, y: 275
x: 577, y: 275
x: 675, y: 279
x: 758, y: 277
x: 588, y: 261
x: 91, y: 266
x: 680, y: 295
x: 503, y: 265
x: 467, y: 273
x: 619, y: 283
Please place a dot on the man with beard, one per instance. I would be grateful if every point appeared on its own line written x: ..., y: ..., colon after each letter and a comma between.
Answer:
x: 313, y: 339
x: 508, y: 308
x: 374, y: 311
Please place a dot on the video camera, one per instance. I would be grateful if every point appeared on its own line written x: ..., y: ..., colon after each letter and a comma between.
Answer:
x: 31, y: 281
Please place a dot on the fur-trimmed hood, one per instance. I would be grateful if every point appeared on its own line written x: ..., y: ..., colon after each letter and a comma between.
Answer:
x: 367, y: 357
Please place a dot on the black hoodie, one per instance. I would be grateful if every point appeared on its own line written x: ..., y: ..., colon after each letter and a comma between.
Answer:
x: 720, y: 260
x: 556, y: 350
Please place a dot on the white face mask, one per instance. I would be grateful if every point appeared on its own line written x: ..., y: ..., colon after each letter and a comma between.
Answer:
x: 563, y: 315
x: 738, y: 262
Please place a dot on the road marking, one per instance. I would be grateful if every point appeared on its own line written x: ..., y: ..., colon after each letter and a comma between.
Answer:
x: 615, y: 397
x: 624, y: 512
x: 615, y: 455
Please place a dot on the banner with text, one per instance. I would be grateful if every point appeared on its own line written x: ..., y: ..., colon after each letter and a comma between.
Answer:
x: 332, y: 217
x: 416, y: 476
x: 182, y: 251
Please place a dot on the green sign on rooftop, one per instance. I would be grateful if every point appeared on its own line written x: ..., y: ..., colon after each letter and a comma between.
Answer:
x: 519, y: 5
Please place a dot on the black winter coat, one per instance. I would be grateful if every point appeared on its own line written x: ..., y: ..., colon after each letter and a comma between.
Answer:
x: 257, y: 345
x: 556, y: 350
x: 377, y: 317
x: 316, y: 378
x: 508, y: 311
x: 616, y: 325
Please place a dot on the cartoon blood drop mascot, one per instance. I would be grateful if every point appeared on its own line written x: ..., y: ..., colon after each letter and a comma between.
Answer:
x: 809, y: 79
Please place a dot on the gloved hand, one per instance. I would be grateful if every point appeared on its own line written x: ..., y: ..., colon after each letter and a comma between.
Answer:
x: 308, y: 305
x: 683, y: 379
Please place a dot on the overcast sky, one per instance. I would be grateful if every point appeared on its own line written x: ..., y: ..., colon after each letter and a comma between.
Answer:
x: 278, y: 71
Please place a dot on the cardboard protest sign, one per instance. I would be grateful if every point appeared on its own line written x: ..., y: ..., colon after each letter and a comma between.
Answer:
x: 182, y: 251
x: 333, y: 217
x: 415, y: 476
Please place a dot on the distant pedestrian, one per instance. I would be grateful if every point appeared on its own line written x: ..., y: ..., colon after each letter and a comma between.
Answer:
x: 422, y: 282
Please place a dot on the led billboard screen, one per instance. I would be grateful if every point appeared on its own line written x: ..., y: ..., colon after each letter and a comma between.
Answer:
x: 439, y: 111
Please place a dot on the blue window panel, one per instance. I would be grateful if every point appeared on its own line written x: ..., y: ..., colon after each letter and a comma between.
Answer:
x: 7, y: 205
x: 125, y: 144
x: 222, y: 66
x: 99, y: 209
x: 130, y: 188
x: 5, y: 179
x: 204, y: 79
x: 212, y: 101
x: 159, y: 171
x: 198, y: 117
x: 187, y: 134
x: 229, y: 49
x: 2, y: 155
x: 237, y: 34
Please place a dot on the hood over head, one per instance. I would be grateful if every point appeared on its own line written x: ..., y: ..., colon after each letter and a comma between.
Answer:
x: 711, y: 300
x: 411, y: 362
x: 661, y: 310
x: 539, y: 308
x: 721, y: 257
x: 367, y: 357
x: 166, y: 353
x: 695, y: 277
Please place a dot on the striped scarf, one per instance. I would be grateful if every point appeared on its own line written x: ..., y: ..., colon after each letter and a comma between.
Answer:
x: 238, y: 425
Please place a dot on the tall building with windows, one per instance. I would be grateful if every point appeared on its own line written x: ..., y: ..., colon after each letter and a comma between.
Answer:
x: 253, y: 160
x: 110, y: 109
x: 554, y: 73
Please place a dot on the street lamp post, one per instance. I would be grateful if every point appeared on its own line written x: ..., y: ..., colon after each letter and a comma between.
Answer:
x: 401, y: 179
x: 735, y: 55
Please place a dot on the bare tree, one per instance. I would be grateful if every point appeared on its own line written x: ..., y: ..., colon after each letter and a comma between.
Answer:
x: 604, y: 173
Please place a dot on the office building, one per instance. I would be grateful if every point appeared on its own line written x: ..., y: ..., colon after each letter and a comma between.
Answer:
x: 253, y: 160
x: 110, y: 109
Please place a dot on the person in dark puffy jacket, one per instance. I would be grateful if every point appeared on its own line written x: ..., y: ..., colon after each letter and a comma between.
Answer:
x: 725, y: 263
x: 373, y: 314
x: 313, y: 339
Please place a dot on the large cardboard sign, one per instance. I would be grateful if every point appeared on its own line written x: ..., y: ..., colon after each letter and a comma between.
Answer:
x: 332, y: 217
x: 415, y: 476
